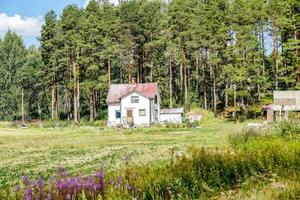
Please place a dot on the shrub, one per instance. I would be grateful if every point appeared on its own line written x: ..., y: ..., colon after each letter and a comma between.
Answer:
x: 287, y: 128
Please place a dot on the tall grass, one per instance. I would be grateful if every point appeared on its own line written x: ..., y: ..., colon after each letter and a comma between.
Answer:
x: 198, y: 173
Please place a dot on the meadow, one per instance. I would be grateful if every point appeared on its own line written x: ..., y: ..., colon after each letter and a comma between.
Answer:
x: 39, y: 151
x: 217, y: 160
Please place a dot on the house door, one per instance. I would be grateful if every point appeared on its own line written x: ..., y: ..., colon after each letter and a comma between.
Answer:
x: 129, y: 117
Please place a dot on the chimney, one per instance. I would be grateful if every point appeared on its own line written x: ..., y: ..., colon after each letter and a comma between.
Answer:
x: 133, y: 81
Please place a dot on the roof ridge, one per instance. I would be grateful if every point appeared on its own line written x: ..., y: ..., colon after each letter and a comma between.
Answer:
x: 132, y: 84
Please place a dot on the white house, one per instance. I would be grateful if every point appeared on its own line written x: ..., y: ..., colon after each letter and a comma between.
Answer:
x: 173, y: 115
x: 133, y: 104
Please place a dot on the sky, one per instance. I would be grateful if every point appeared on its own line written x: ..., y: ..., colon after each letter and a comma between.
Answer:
x: 25, y: 17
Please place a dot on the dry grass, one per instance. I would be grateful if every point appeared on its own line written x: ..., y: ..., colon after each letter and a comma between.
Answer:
x: 38, y: 152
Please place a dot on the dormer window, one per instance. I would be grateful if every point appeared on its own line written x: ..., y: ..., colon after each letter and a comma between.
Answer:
x: 134, y: 99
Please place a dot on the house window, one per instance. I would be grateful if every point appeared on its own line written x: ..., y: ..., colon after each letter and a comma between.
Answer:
x: 142, y: 112
x: 155, y: 99
x: 118, y: 114
x: 134, y: 99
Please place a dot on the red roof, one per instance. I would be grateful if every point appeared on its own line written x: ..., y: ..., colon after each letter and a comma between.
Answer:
x: 117, y: 91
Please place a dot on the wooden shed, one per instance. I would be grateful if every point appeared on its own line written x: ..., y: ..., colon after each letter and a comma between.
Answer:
x: 194, y: 116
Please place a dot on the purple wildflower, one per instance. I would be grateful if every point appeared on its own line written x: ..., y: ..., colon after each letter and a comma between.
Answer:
x: 126, y: 158
x: 59, y: 185
x: 48, y: 197
x: 101, y: 177
x: 17, y: 188
x: 28, y: 194
x: 100, y: 174
x: 68, y: 197
x: 34, y: 183
x: 62, y: 172
x: 119, y: 179
x: 26, y: 180
x: 127, y: 186
x: 41, y: 184
x: 89, y: 185
x: 111, y: 181
x: 73, y: 185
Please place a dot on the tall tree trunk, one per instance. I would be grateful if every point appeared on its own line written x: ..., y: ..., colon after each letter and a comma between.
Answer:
x: 151, y: 71
x: 296, y: 56
x: 204, y: 87
x: 185, y: 85
x: 91, y: 105
x: 226, y: 93
x: 258, y: 92
x: 53, y: 99
x: 57, y: 101
x: 234, y: 102
x: 137, y: 64
x: 129, y: 65
x: 23, y: 115
x: 197, y: 76
x: 185, y: 78
x: 75, y: 94
x: 39, y: 110
x: 109, y: 67
x: 214, y: 90
x: 78, y: 94
x: 181, y: 77
x: 142, y: 66
x: 275, y: 56
x: 94, y: 104
x: 170, y: 82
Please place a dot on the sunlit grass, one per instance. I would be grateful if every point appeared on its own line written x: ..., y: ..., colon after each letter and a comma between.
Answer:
x: 38, y: 152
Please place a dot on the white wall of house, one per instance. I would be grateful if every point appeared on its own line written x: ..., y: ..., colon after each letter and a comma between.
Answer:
x: 112, y: 120
x: 171, y: 118
x: 144, y: 103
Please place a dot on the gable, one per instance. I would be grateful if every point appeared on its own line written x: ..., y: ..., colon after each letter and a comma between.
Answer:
x: 287, y: 98
x: 126, y: 100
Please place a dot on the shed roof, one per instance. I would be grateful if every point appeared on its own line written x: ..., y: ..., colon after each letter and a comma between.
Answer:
x: 172, y: 111
x: 194, y: 113
x: 117, y: 91
x: 281, y: 108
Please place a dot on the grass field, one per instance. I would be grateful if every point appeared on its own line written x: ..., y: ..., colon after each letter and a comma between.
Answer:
x: 38, y: 151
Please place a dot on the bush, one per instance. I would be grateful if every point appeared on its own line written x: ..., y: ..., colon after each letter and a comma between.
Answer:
x: 288, y: 128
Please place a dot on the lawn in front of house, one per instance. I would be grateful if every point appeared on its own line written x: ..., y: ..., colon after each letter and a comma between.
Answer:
x: 39, y: 151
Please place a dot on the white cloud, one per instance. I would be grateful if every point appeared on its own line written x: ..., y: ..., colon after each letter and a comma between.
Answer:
x: 25, y: 26
x: 86, y: 2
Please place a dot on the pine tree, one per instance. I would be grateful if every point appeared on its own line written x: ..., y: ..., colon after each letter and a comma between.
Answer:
x: 12, y: 56
x: 70, y: 51
x: 49, y: 72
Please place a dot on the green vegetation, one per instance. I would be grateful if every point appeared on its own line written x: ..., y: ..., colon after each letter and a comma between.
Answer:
x: 39, y: 151
x: 161, y: 163
x: 202, y: 53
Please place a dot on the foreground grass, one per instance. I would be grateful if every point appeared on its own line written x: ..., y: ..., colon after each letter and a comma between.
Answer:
x: 38, y: 152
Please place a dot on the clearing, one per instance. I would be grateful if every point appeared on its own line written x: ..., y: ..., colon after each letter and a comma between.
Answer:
x: 39, y: 151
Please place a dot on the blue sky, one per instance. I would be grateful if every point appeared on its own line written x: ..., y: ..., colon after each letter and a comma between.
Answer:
x: 26, y: 16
